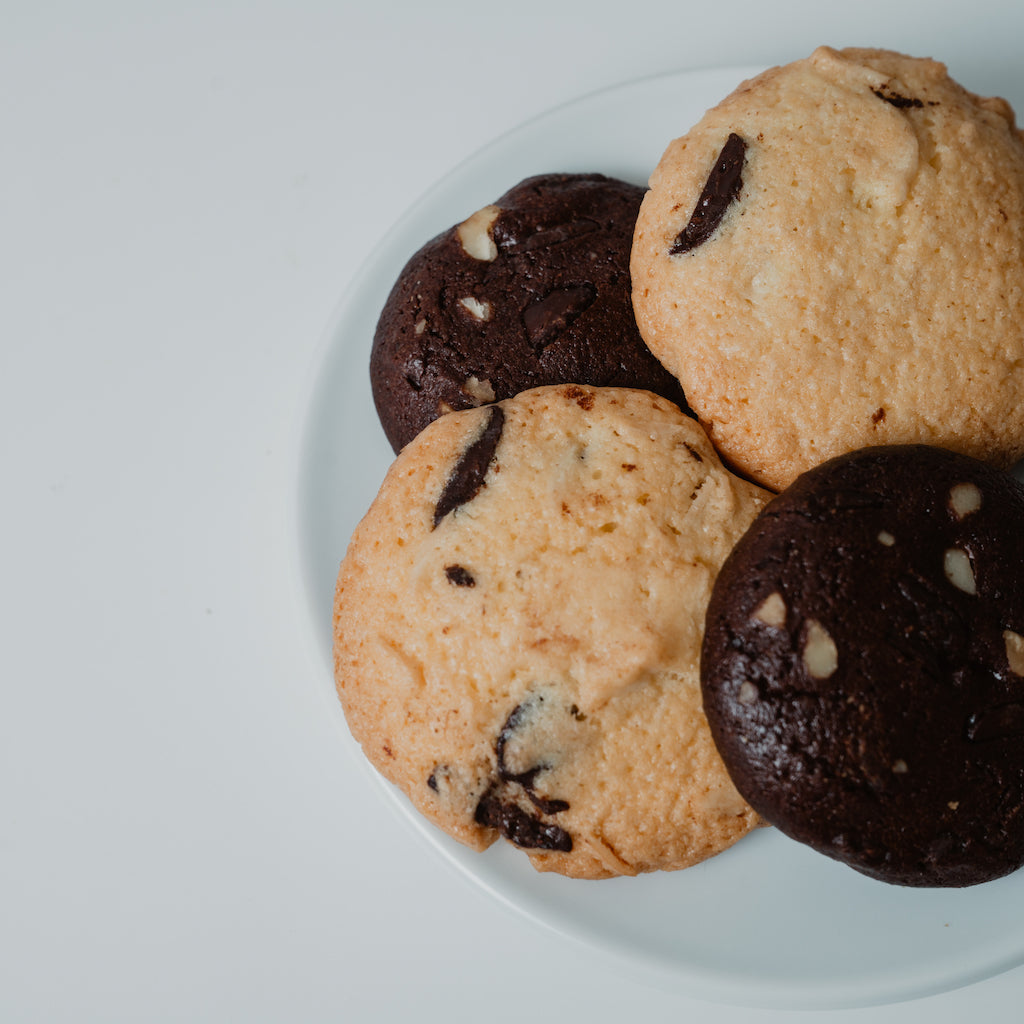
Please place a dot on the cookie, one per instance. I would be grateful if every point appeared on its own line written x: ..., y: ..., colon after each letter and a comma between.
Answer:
x: 518, y: 622
x: 831, y: 259
x: 863, y: 665
x: 533, y: 289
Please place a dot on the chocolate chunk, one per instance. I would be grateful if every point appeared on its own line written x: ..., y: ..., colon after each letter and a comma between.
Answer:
x: 525, y: 778
x: 459, y: 576
x: 519, y: 827
x: 723, y: 187
x: 520, y: 235
x: 546, y: 806
x: 499, y: 807
x: 469, y: 475
x: 901, y: 102
x: 545, y: 319
x: 514, y: 720
x: 512, y: 724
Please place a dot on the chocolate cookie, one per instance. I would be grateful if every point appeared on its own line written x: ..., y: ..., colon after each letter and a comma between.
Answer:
x: 517, y: 629
x: 863, y: 665
x: 831, y: 258
x: 531, y: 290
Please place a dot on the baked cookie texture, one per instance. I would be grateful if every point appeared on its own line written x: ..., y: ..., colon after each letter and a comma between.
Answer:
x: 517, y: 628
x: 832, y: 258
x: 533, y: 289
x: 863, y: 665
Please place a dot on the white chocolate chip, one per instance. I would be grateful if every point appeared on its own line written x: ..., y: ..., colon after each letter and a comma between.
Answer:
x: 957, y: 566
x: 820, y: 655
x: 475, y: 234
x: 886, y: 538
x: 964, y: 499
x: 900, y: 767
x: 953, y: 804
x: 748, y: 693
x: 772, y: 610
x: 1014, y: 651
x: 421, y: 326
x: 479, y: 390
x: 476, y: 308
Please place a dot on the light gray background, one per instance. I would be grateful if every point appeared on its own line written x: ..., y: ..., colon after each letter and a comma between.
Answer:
x: 186, y: 190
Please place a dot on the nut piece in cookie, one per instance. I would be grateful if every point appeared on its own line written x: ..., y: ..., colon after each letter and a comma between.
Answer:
x: 831, y: 259
x: 863, y: 665
x: 518, y: 623
x: 532, y: 289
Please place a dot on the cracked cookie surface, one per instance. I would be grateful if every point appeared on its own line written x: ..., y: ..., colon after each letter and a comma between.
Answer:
x: 831, y: 258
x: 518, y: 622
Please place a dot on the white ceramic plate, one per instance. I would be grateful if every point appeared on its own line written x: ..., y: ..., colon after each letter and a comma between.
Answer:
x: 768, y: 922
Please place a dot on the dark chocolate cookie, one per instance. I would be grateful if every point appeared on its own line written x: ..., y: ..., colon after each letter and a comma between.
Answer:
x: 532, y: 290
x: 863, y: 665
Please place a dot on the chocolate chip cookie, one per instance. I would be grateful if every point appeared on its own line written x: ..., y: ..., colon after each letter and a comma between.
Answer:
x: 831, y: 258
x: 518, y: 623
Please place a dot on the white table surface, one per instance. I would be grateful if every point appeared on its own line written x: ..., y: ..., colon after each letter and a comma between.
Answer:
x: 185, y: 191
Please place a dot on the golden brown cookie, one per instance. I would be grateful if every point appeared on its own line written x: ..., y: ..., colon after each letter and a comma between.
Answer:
x: 518, y: 622
x: 831, y: 258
